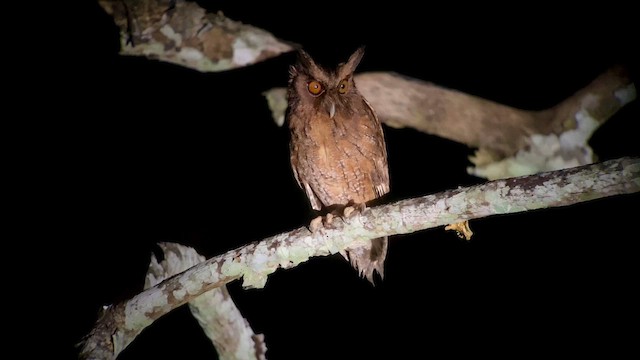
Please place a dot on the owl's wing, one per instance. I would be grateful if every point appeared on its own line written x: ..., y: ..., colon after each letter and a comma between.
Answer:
x: 315, y: 203
x: 380, y: 174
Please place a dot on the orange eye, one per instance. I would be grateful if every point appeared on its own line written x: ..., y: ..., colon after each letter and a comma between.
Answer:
x: 343, y: 87
x: 315, y: 88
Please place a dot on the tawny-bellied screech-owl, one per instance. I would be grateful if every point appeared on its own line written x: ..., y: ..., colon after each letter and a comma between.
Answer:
x: 338, y: 153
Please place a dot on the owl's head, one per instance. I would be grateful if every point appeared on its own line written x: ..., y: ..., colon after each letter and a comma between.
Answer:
x: 330, y: 91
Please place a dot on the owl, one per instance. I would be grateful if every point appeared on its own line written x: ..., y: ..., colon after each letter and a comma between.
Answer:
x: 338, y: 152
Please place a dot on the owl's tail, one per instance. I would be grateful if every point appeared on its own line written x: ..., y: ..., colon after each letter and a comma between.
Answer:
x: 367, y: 258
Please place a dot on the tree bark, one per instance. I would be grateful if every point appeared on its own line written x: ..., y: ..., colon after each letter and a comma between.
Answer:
x: 183, y: 33
x: 214, y: 310
x: 121, y: 323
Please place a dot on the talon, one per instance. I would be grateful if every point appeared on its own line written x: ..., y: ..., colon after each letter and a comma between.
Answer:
x: 315, y: 224
x: 348, y: 211
x: 328, y: 219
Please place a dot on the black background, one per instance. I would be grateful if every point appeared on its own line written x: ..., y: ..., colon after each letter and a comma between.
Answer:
x: 155, y: 152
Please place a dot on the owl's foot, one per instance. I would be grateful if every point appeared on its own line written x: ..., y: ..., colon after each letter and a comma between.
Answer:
x: 326, y: 220
x: 351, y: 210
x: 315, y: 224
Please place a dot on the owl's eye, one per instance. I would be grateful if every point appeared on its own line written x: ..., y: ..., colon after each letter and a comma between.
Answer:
x: 315, y: 88
x: 343, y: 87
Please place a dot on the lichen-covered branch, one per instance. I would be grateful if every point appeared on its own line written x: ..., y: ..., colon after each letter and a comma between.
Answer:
x: 121, y: 323
x: 183, y: 33
x: 511, y: 142
x: 215, y: 310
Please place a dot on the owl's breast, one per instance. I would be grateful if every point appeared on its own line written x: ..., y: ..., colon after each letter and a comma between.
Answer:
x: 335, y: 157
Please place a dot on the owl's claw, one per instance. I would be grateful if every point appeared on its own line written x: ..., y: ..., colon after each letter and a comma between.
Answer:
x: 315, y: 224
x: 343, y: 213
x: 325, y: 221
x: 349, y: 211
x: 328, y: 219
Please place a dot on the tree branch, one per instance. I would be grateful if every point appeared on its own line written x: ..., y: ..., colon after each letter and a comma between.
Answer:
x: 121, y: 323
x: 214, y: 310
x: 183, y: 33
x: 511, y: 142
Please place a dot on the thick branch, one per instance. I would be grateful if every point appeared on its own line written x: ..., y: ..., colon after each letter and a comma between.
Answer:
x: 254, y: 262
x: 214, y: 310
x: 481, y: 123
x: 511, y: 142
x: 183, y: 33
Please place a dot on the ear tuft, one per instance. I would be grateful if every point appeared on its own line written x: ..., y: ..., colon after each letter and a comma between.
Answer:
x: 305, y: 60
x: 351, y: 64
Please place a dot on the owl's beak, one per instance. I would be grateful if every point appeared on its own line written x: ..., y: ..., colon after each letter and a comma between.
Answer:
x: 332, y: 109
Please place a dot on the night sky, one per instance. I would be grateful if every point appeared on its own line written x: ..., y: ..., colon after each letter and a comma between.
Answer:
x: 165, y: 153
